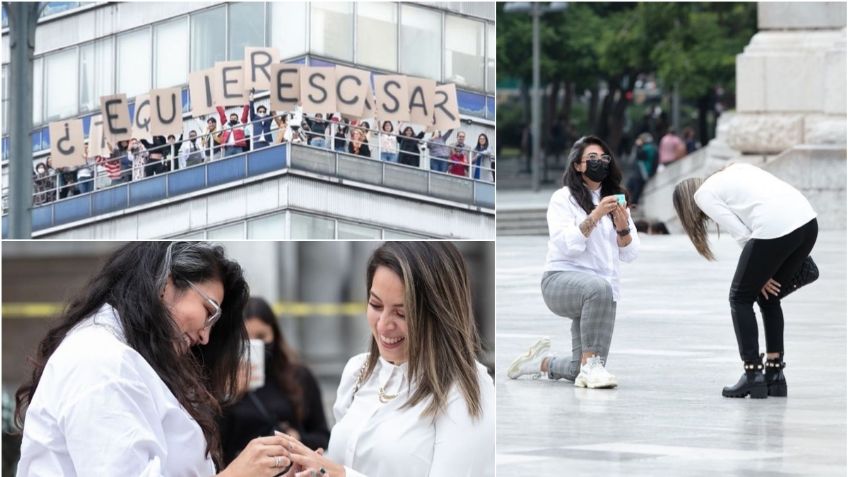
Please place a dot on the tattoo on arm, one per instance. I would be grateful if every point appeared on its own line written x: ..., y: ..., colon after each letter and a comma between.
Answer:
x: 587, y: 226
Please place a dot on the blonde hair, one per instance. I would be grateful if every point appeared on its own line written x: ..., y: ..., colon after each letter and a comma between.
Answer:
x: 442, y: 335
x: 692, y: 218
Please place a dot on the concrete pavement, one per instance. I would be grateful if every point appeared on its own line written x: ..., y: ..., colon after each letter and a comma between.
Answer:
x: 672, y: 351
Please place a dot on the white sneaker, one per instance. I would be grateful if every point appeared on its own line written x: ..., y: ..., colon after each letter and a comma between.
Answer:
x: 594, y: 375
x: 531, y: 362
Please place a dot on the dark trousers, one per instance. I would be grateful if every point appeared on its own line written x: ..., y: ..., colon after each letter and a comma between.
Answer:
x: 780, y: 259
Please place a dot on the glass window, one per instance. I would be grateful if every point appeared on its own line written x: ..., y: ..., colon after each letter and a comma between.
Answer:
x: 332, y: 29
x: 288, y: 28
x: 395, y: 235
x: 38, y: 91
x: 62, y: 92
x: 309, y: 227
x: 247, y: 27
x: 5, y: 99
x: 232, y: 231
x: 421, y: 42
x: 353, y: 231
x: 208, y: 39
x: 464, y: 45
x: 95, y: 73
x: 376, y: 35
x: 269, y: 227
x: 171, y: 53
x: 191, y: 236
x: 491, y: 48
x: 134, y: 63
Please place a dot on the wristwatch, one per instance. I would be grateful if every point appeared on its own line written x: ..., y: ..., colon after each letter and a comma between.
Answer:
x: 623, y: 232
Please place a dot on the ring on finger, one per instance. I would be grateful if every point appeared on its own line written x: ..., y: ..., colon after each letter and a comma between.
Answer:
x: 278, y: 461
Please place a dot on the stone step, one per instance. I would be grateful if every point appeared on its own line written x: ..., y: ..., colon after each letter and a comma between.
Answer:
x: 522, y: 222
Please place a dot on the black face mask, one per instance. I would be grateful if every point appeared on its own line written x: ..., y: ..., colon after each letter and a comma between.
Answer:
x: 233, y: 123
x: 269, y: 351
x: 597, y: 171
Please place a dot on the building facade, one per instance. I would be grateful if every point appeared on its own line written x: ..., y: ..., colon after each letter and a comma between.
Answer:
x: 87, y: 50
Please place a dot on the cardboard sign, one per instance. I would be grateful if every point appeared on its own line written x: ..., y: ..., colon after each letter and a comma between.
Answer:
x: 392, y: 98
x: 96, y: 140
x: 228, y: 84
x: 285, y: 95
x: 257, y: 67
x: 167, y: 112
x: 445, y: 108
x: 318, y: 89
x: 353, y: 87
x: 116, y: 118
x: 201, y: 89
x: 141, y: 119
x: 420, y: 104
x: 67, y: 143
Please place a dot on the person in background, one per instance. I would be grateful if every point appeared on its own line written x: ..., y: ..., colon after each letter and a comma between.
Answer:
x: 44, y: 184
x: 342, y: 130
x: 317, y: 131
x: 156, y: 153
x: 261, y: 125
x: 120, y: 165
x: 289, y: 401
x: 440, y: 152
x: 284, y: 132
x: 459, y: 156
x: 358, y: 145
x: 388, y: 143
x: 211, y: 139
x: 644, y: 167
x: 232, y: 137
x: 85, y: 182
x: 137, y: 155
x: 190, y: 153
x: 483, y: 158
x: 408, y: 144
x: 689, y: 140
x: 672, y: 147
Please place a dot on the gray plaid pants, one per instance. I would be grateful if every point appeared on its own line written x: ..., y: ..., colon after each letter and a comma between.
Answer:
x: 588, y: 301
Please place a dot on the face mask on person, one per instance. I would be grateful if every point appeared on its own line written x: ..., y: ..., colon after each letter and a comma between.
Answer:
x: 597, y: 171
x: 233, y: 123
x: 269, y: 350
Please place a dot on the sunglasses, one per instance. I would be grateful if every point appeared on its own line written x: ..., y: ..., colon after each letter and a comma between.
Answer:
x: 216, y: 315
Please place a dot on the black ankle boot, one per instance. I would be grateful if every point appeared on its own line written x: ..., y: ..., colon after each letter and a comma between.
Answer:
x: 775, y: 380
x: 751, y: 383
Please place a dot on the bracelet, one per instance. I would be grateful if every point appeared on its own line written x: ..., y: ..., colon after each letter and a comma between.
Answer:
x: 623, y: 232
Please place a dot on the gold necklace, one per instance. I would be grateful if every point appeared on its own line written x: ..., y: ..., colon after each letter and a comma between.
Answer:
x: 384, y: 398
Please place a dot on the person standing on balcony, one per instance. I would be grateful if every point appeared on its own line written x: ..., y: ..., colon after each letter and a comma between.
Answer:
x: 340, y: 138
x: 261, y: 125
x: 190, y: 153
x: 388, y: 143
x: 408, y: 144
x: 440, y: 152
x: 232, y: 137
x: 483, y: 159
x: 358, y: 145
x: 317, y: 131
x: 211, y: 139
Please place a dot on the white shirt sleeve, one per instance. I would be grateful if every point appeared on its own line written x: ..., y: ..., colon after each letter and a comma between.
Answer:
x: 712, y: 205
x: 631, y: 251
x: 111, y: 430
x: 564, y: 227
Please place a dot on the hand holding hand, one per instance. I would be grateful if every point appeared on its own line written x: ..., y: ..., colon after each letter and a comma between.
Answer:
x: 311, y: 463
x: 263, y: 456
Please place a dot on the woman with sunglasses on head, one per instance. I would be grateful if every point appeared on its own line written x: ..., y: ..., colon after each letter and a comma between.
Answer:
x: 418, y: 403
x: 591, y: 232
x: 777, y: 228
x: 130, y: 380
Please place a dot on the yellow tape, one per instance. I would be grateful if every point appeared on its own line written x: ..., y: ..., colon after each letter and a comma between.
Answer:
x: 287, y: 308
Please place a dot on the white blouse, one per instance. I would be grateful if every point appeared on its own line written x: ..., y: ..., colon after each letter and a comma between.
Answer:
x: 375, y: 439
x: 100, y: 409
x: 598, y: 254
x: 750, y: 203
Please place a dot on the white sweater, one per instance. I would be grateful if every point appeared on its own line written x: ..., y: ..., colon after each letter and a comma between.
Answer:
x: 748, y: 202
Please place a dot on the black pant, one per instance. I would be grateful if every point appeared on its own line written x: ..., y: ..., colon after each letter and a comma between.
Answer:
x: 780, y: 259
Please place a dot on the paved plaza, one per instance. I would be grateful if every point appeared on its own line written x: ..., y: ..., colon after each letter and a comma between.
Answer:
x: 672, y: 351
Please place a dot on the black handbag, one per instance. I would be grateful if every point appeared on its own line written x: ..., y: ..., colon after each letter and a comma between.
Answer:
x: 808, y: 273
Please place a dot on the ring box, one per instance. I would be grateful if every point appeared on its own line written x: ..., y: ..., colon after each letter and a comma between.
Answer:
x: 621, y: 199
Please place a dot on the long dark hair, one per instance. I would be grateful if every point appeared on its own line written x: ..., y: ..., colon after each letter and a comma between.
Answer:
x: 443, y: 339
x: 132, y: 281
x: 574, y: 180
x: 283, y: 360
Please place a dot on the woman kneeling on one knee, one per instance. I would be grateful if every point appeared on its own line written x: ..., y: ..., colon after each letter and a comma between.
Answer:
x: 776, y: 227
x: 590, y: 233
